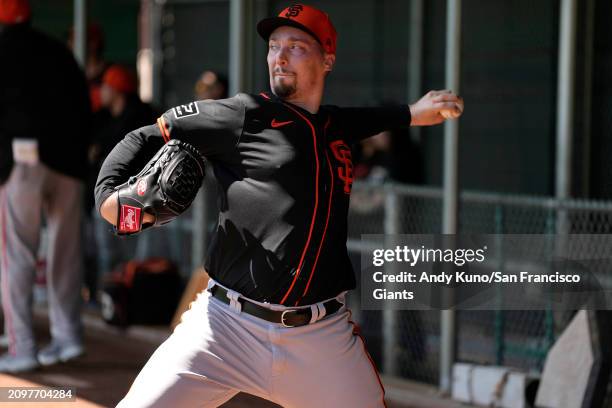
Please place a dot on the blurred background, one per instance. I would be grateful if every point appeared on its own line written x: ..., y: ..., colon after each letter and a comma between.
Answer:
x: 390, y: 50
x: 521, y: 166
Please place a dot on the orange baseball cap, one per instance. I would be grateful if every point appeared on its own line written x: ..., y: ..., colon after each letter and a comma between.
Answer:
x: 120, y: 79
x: 14, y: 11
x: 307, y: 18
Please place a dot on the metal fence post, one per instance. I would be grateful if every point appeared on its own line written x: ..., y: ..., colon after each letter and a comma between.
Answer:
x: 80, y: 31
x: 240, y: 37
x: 565, y: 91
x: 499, y: 323
x: 565, y: 107
x: 415, y: 58
x: 391, y: 226
x: 451, y: 185
x: 154, y: 33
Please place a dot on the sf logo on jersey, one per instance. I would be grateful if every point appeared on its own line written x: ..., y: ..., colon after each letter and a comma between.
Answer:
x: 342, y: 153
x: 182, y: 111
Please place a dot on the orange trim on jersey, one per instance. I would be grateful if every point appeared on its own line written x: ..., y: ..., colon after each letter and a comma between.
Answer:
x: 357, y: 333
x: 314, y: 213
x: 264, y: 95
x: 161, y: 128
x: 161, y: 123
x: 329, y: 204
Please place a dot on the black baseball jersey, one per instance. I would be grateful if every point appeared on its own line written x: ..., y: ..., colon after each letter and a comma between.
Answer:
x: 43, y: 96
x: 285, y: 177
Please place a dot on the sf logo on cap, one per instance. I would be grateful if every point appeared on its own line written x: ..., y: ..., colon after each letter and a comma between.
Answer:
x: 293, y: 11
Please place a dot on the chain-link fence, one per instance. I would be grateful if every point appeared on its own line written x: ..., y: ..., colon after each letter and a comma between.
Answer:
x: 407, y: 343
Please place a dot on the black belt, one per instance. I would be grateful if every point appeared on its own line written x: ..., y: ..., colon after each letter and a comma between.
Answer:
x: 288, y: 318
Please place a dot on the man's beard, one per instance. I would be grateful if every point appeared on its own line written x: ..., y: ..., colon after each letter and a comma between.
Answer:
x: 283, y: 89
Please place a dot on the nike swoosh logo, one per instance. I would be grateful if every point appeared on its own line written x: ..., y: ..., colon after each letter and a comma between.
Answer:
x: 276, y: 124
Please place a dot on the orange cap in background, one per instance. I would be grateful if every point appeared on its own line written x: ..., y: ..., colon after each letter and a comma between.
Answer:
x: 14, y: 11
x: 307, y: 18
x: 120, y: 79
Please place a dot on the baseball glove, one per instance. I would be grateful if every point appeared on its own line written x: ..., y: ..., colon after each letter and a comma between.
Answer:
x: 165, y: 187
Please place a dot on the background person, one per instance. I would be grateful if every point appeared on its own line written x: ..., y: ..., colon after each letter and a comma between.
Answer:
x: 45, y: 119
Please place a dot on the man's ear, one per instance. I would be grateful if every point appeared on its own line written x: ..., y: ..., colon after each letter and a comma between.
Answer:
x: 328, y: 62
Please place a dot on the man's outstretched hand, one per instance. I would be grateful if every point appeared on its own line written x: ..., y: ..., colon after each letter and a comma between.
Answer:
x: 435, y: 107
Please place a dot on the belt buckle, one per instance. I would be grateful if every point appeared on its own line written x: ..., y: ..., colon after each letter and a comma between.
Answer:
x: 283, y: 317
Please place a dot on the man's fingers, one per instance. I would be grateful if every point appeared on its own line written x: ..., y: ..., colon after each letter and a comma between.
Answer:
x: 445, y: 97
x: 434, y: 94
x: 448, y: 105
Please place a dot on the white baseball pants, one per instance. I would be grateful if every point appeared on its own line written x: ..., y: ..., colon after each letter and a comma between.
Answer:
x: 33, y: 191
x: 217, y: 351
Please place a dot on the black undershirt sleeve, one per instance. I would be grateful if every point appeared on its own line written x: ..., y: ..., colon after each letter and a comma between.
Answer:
x: 361, y: 123
x: 126, y: 159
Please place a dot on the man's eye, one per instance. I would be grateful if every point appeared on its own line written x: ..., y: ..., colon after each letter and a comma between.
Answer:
x: 273, y: 47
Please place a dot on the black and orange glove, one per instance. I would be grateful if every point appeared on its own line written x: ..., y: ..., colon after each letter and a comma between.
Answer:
x: 165, y: 188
